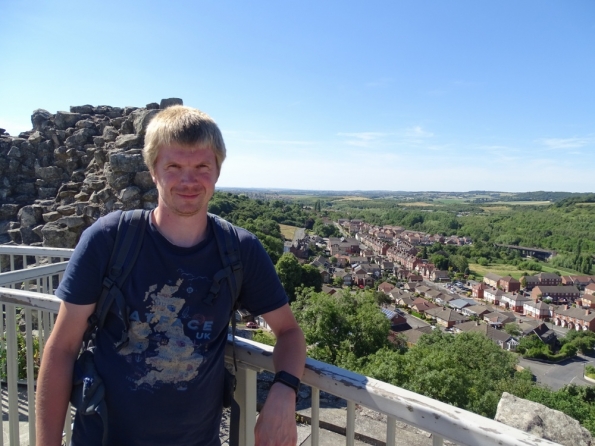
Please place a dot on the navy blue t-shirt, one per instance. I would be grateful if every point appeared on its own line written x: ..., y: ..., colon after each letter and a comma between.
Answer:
x: 165, y: 387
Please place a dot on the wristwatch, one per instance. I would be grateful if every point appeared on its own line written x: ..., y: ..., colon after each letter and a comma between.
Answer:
x: 288, y: 379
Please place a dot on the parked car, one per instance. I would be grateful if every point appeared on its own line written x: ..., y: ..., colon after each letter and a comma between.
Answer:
x: 251, y: 325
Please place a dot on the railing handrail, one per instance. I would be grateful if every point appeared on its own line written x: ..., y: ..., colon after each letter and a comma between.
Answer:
x: 458, y: 425
x: 32, y: 273
x: 430, y: 415
x: 32, y: 299
x: 36, y: 251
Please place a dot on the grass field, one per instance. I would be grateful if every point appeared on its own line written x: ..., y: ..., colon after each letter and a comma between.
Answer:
x: 522, y: 203
x: 353, y: 199
x: 495, y: 208
x: 287, y: 231
x: 415, y: 203
x: 503, y: 269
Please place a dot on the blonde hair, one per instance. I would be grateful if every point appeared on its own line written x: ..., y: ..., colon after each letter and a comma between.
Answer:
x: 185, y: 126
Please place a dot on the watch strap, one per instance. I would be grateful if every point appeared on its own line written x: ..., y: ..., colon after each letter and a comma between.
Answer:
x: 288, y: 379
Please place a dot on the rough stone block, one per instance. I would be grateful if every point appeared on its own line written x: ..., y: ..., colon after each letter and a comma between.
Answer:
x: 541, y: 421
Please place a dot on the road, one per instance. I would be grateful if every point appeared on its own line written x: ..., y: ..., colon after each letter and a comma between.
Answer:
x: 557, y: 376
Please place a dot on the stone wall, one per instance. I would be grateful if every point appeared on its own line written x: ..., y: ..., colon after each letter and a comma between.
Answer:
x: 72, y: 168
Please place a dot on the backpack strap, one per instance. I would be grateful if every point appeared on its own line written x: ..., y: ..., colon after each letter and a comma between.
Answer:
x: 229, y: 251
x: 228, y: 244
x: 129, y: 238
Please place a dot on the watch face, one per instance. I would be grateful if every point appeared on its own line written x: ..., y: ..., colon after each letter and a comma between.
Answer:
x: 287, y: 379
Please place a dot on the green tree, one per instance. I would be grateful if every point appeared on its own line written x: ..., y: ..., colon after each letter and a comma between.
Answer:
x: 311, y: 277
x: 512, y: 329
x: 342, y: 325
x: 459, y: 263
x: 439, y: 261
x: 290, y: 273
x: 338, y: 281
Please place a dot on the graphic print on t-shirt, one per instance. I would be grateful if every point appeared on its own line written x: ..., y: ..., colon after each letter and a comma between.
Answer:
x: 173, y: 359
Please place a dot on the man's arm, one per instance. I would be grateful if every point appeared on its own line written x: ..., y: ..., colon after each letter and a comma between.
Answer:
x: 276, y: 422
x: 55, y: 375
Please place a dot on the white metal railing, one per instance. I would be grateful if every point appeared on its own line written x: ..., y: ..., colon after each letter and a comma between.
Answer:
x: 442, y: 420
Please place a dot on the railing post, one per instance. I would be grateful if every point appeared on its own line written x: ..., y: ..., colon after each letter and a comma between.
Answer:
x: 246, y: 398
x: 12, y: 375
x: 391, y: 426
x: 350, y: 432
x: 315, y: 420
x: 30, y: 375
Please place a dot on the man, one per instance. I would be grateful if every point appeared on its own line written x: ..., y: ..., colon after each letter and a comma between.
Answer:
x: 165, y: 386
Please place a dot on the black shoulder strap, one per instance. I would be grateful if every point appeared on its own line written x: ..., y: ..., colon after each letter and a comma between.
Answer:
x: 129, y: 238
x: 228, y: 244
x: 229, y: 251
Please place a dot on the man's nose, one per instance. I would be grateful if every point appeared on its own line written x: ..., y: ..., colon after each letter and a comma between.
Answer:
x: 188, y: 176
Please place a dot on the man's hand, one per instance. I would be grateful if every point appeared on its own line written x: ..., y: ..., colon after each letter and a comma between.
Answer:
x: 276, y: 423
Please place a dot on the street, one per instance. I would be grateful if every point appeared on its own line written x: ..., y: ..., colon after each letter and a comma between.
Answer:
x: 557, y: 376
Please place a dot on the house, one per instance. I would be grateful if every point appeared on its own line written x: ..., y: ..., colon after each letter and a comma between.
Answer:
x: 444, y: 299
x: 509, y: 284
x: 549, y: 279
x: 539, y: 329
x: 439, y: 276
x: 347, y: 279
x: 537, y: 310
x: 476, y: 310
x: 492, y: 295
x: 329, y: 290
x: 513, y: 301
x: 415, y: 278
x: 498, y: 319
x: 477, y: 290
x: 459, y: 304
x: 558, y: 293
x: 343, y: 245
x: 491, y: 279
x: 587, y: 301
x: 590, y: 289
x: 574, y: 318
x: 432, y: 294
x: 321, y: 262
x: 581, y: 282
x: 414, y: 334
x: 396, y: 317
x: 422, y: 289
x: 421, y: 305
x: 446, y: 317
x: 386, y: 287
x: 503, y: 339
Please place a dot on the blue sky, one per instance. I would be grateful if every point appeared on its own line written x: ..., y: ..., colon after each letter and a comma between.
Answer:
x: 339, y: 95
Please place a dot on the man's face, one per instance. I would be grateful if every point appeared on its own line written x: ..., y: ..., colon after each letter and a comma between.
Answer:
x: 185, y: 178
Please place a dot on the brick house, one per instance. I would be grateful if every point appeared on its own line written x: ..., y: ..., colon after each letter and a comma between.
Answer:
x: 581, y: 282
x: 491, y: 279
x: 587, y: 301
x: 541, y: 279
x: 590, y: 289
x: 513, y: 302
x: 386, y: 287
x: 574, y: 318
x: 492, y: 295
x: 477, y: 290
x: 498, y: 319
x: 559, y: 293
x: 421, y: 305
x: 537, y: 310
x: 509, y: 284
x: 439, y: 276
x: 446, y: 317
